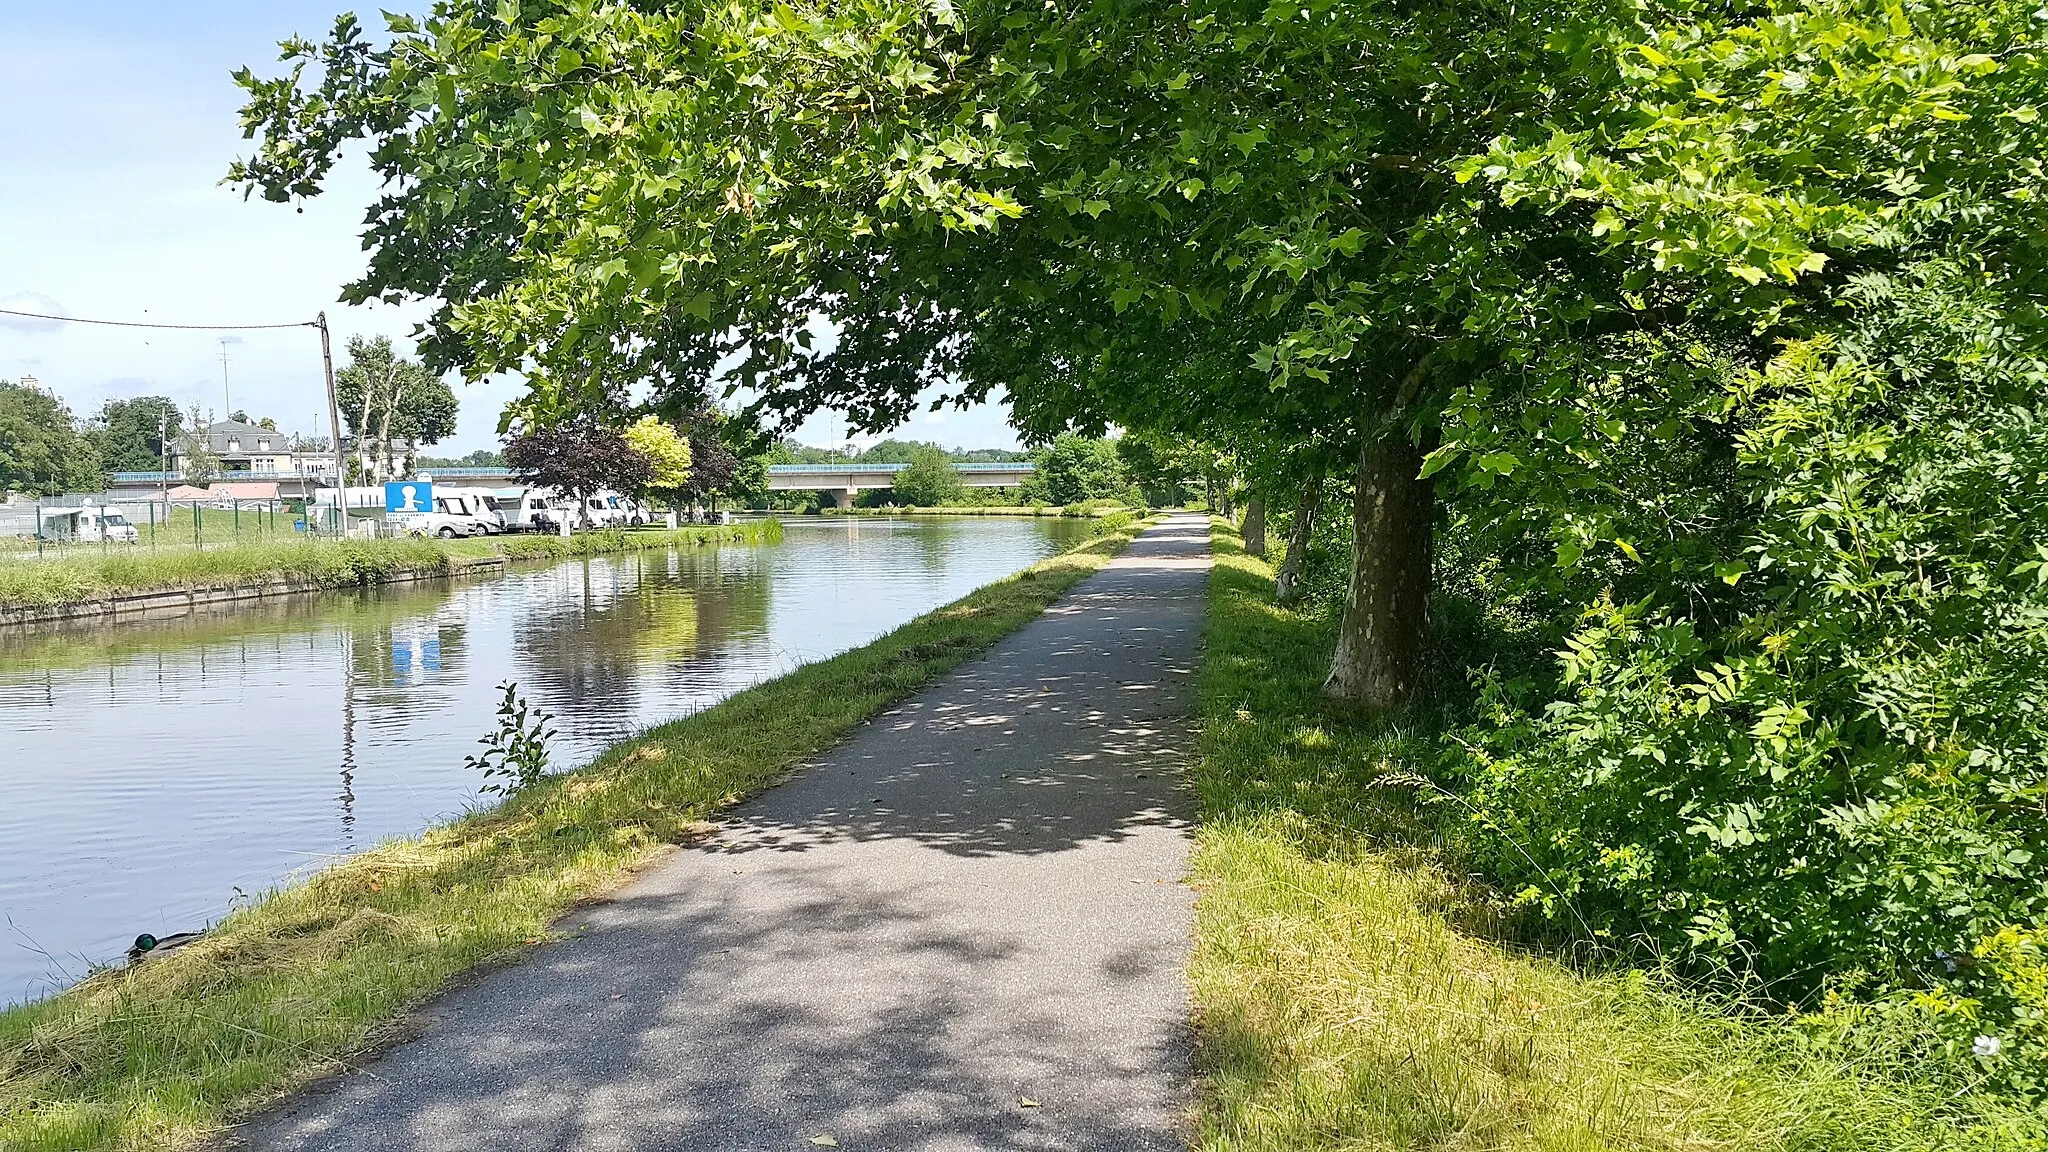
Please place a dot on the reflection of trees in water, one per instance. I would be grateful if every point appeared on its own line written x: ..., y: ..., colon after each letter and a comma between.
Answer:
x: 936, y: 540
x: 623, y: 622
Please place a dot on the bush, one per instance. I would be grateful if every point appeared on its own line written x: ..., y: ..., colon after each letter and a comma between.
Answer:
x: 929, y: 481
x: 1823, y: 766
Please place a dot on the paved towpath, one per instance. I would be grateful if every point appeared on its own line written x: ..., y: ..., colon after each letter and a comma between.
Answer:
x: 974, y: 903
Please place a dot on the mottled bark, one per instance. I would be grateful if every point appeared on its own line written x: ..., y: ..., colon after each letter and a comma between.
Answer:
x: 1385, y: 628
x: 1254, y: 527
x: 1287, y: 581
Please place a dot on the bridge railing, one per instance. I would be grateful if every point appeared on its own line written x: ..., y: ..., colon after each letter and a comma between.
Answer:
x: 845, y: 469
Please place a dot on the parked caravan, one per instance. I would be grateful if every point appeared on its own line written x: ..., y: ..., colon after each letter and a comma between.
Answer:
x: 474, y: 502
x: 88, y: 524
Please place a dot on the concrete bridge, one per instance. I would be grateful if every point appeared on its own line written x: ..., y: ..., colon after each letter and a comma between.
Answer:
x: 841, y: 482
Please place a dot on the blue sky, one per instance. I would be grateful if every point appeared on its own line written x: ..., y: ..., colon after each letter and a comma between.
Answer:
x: 119, y: 122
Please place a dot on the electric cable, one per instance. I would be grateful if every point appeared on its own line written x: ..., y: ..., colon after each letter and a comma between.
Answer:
x: 147, y: 324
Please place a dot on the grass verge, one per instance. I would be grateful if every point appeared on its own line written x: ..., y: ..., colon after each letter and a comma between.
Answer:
x: 313, y: 975
x: 1349, y: 994
x: 1084, y: 510
x: 82, y: 577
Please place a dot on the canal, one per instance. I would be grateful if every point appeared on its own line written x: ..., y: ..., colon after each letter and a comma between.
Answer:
x: 155, y: 773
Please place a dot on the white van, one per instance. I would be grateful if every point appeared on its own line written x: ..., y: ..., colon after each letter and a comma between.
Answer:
x: 538, y: 510
x: 609, y: 509
x: 473, y: 502
x: 90, y: 524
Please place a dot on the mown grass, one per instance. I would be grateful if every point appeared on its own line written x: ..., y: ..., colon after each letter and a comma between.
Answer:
x: 79, y: 577
x: 1351, y: 994
x: 311, y: 976
x: 1074, y: 511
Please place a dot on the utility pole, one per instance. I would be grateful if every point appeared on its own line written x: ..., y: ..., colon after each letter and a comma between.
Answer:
x: 227, y: 405
x: 334, y: 425
x: 163, y: 459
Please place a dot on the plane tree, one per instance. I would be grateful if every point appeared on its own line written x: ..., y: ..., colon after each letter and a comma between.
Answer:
x: 1142, y: 215
x: 1227, y: 218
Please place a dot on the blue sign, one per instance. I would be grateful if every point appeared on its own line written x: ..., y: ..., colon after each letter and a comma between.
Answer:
x: 409, y: 496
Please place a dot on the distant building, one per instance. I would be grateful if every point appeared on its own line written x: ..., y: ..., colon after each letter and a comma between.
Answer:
x: 241, y: 447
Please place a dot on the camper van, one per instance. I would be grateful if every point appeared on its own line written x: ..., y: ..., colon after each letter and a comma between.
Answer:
x: 476, y: 503
x: 89, y: 524
x: 609, y: 509
x: 537, y: 510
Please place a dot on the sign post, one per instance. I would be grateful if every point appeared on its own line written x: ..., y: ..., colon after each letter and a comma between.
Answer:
x: 405, y: 499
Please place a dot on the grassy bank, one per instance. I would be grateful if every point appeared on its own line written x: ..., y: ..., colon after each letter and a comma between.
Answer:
x: 1351, y: 992
x: 97, y: 575
x: 1089, y: 509
x: 308, y: 978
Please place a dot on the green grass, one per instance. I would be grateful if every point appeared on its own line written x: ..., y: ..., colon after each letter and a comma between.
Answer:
x: 93, y: 574
x: 310, y: 977
x: 1352, y: 994
x: 1083, y: 510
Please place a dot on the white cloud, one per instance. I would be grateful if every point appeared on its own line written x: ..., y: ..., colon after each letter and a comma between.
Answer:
x: 30, y: 302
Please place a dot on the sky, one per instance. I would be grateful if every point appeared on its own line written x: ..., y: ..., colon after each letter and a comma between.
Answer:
x: 119, y: 121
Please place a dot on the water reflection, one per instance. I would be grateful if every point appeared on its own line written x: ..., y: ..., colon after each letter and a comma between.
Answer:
x: 150, y: 771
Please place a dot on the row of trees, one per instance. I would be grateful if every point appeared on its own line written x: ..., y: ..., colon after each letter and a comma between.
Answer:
x: 789, y: 451
x: 1071, y: 469
x: 45, y: 450
x: 1701, y: 345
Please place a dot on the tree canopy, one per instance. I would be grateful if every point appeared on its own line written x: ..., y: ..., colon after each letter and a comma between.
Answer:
x: 1702, y: 346
x: 667, y: 452
x: 579, y: 458
x: 132, y: 435
x: 42, y: 452
x: 385, y: 398
x: 928, y: 480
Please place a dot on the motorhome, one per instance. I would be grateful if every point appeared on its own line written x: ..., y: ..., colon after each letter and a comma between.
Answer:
x: 88, y: 524
x: 608, y: 509
x: 445, y: 521
x: 475, y: 502
x: 537, y: 510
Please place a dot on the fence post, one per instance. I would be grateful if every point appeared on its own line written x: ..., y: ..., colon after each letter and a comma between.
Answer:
x: 197, y: 543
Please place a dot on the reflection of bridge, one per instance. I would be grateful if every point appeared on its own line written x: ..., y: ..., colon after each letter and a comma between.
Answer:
x: 842, y: 481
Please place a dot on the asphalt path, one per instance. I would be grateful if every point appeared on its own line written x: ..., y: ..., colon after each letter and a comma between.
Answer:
x: 965, y: 928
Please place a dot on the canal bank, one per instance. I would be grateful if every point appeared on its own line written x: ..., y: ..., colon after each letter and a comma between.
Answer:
x: 964, y: 927
x: 307, y: 979
x: 130, y: 582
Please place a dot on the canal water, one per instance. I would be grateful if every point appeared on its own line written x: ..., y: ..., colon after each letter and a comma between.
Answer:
x: 154, y: 773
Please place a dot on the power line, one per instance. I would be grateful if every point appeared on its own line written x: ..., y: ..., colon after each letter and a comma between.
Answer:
x: 145, y: 324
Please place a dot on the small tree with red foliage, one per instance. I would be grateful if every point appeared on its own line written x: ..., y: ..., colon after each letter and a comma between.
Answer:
x: 578, y: 458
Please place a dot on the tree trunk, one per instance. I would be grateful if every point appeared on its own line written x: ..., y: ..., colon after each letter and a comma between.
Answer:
x: 363, y: 430
x: 1286, y: 582
x: 1255, y: 526
x: 1385, y: 629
